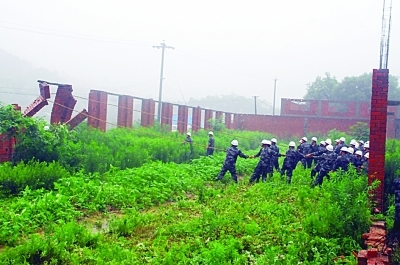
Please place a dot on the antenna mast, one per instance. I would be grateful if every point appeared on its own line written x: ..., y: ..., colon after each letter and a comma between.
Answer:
x: 386, y: 22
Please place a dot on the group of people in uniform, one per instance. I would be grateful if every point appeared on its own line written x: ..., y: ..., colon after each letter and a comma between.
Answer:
x: 323, y: 158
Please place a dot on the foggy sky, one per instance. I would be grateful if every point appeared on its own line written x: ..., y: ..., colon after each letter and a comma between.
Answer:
x: 220, y: 47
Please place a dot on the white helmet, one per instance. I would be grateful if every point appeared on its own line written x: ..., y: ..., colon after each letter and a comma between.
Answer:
x: 322, y: 142
x: 292, y: 144
x: 188, y: 134
x: 361, y: 142
x: 210, y: 133
x: 235, y: 142
x: 329, y: 147
x: 366, y: 145
x: 304, y: 139
x: 337, y: 140
x: 268, y: 142
x: 353, y: 142
x: 350, y: 150
x: 344, y: 149
x: 264, y: 142
x: 342, y: 139
x: 359, y: 152
x: 328, y: 141
x: 366, y: 155
x: 273, y: 140
x: 314, y: 139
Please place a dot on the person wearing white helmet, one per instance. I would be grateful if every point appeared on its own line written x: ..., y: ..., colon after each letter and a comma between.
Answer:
x: 261, y: 165
x: 305, y: 149
x: 275, y: 159
x: 325, y: 164
x: 358, y: 161
x: 339, y: 145
x: 328, y: 141
x: 230, y: 161
x: 365, y: 164
x: 354, y: 144
x: 189, y: 141
x: 361, y: 145
x: 314, y: 146
x: 292, y: 157
x: 210, y: 145
x: 366, y: 147
x: 343, y: 160
x: 321, y: 150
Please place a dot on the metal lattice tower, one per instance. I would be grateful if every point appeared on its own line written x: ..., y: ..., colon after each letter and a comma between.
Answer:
x: 386, y: 22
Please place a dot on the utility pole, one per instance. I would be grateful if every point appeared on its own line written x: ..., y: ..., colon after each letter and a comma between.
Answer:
x: 163, y: 47
x: 273, y: 104
x: 255, y: 104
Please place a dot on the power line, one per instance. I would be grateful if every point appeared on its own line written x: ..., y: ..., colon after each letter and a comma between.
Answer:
x: 75, y: 37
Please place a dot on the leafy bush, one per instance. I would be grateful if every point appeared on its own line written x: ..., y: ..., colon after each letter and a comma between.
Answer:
x: 35, y: 175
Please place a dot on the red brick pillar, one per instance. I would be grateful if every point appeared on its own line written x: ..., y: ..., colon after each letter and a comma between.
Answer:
x: 7, y: 143
x: 228, y: 120
x: 63, y: 105
x: 44, y: 90
x: 236, y: 121
x: 218, y: 114
x: 148, y: 111
x: 182, y: 118
x: 125, y: 111
x: 97, y: 109
x: 167, y: 111
x: 379, y: 98
x: 208, y: 114
x: 196, y: 119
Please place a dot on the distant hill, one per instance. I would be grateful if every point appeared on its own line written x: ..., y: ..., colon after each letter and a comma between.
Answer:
x: 18, y: 79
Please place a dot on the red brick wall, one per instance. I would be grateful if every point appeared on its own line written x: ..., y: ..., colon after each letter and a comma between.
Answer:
x: 380, y: 83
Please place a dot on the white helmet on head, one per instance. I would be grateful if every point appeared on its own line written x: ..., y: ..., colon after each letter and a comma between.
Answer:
x: 344, y: 149
x: 314, y: 139
x: 361, y: 142
x: 268, y: 142
x: 304, y: 139
x: 358, y: 152
x: 329, y: 147
x: 337, y: 140
x: 328, y: 141
x: 350, y: 150
x: 188, y: 134
x: 235, y: 142
x: 322, y: 142
x: 366, y: 155
x: 342, y: 139
x: 366, y: 145
x: 292, y: 144
x: 210, y: 133
x: 353, y: 142
x: 264, y: 142
x: 273, y: 140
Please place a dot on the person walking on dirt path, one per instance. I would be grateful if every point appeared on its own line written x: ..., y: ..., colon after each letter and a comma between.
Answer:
x: 230, y: 161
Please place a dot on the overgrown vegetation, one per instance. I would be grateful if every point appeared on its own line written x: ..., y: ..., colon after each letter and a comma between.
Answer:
x: 133, y: 197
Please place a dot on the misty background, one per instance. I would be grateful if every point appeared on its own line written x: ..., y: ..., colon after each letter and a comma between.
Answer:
x: 224, y: 55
